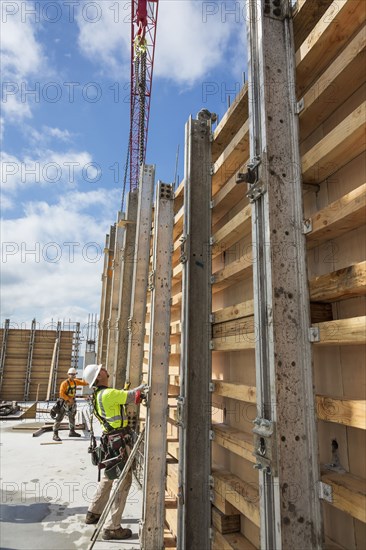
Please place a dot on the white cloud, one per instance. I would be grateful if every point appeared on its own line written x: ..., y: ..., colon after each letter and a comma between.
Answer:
x: 189, y: 44
x: 2, y: 128
x: 46, y: 167
x: 22, y: 56
x: 106, y: 41
x: 52, y: 257
x: 191, y: 39
x: 46, y: 135
x: 15, y: 110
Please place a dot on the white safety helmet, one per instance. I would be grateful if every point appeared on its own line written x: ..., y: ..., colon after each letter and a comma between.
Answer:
x: 72, y: 371
x: 90, y: 374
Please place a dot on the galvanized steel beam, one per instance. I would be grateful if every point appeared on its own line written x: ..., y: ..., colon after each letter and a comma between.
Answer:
x: 115, y: 287
x: 28, y: 371
x: 194, y: 402
x: 285, y: 430
x: 125, y: 291
x: 137, y: 317
x: 153, y: 514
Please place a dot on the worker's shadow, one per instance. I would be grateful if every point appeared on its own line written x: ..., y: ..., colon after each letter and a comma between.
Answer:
x: 36, y: 512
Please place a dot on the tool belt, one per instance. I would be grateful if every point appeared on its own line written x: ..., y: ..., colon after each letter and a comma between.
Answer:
x: 114, y: 447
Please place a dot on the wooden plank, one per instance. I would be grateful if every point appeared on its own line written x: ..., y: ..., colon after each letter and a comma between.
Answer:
x: 305, y: 16
x: 235, y: 391
x: 230, y: 194
x: 179, y: 197
x: 235, y: 229
x: 236, y: 270
x: 349, y: 493
x: 231, y: 159
x: 234, y: 343
x: 230, y: 123
x: 342, y: 144
x: 338, y: 285
x: 338, y: 218
x: 232, y: 328
x: 231, y: 542
x: 342, y: 332
x: 349, y: 412
x: 225, y: 523
x: 343, y: 77
x: 326, y: 40
x: 244, y: 309
x: 236, y: 441
x: 242, y: 495
x: 178, y: 223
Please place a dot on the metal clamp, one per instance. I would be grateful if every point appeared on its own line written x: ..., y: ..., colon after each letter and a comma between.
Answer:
x: 183, y: 250
x: 180, y: 411
x: 314, y: 334
x: 265, y: 446
x: 251, y: 177
x: 151, y: 281
x: 325, y: 491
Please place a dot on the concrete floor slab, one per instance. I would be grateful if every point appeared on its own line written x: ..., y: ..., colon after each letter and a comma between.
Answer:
x: 46, y: 490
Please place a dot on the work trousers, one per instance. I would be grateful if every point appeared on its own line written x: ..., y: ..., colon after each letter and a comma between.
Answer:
x: 71, y: 413
x: 101, y: 497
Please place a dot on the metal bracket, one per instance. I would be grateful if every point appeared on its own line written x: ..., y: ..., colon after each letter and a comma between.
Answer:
x: 256, y: 186
x: 212, y: 279
x: 212, y: 204
x: 211, y: 533
x: 307, y: 226
x: 314, y: 334
x: 300, y: 106
x: 211, y: 435
x: 211, y: 318
x: 211, y: 345
x: 265, y: 446
x: 180, y: 411
x: 151, y: 281
x: 183, y: 250
x: 212, y: 169
x: 129, y: 324
x: 212, y: 240
x: 325, y: 491
x: 212, y: 386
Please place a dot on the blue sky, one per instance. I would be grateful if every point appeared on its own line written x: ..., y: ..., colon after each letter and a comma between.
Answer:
x: 64, y: 132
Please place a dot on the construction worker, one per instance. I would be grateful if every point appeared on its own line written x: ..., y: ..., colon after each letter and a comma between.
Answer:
x: 109, y: 408
x: 67, y: 393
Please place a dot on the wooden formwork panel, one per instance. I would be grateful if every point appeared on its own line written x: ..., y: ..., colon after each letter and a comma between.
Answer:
x: 330, y: 56
x: 16, y: 360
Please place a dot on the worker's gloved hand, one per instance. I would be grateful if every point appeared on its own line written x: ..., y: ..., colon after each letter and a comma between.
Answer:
x: 140, y: 393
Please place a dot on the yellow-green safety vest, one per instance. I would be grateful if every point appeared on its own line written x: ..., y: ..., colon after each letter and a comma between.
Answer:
x: 110, y: 405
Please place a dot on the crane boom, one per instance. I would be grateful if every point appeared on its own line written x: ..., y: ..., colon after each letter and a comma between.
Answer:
x: 143, y: 34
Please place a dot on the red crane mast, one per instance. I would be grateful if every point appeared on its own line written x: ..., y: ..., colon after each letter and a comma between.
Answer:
x: 143, y: 34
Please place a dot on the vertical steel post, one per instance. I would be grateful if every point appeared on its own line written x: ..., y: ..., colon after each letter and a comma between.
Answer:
x: 125, y: 291
x: 3, y: 350
x: 28, y: 373
x: 137, y: 318
x: 153, y: 515
x: 115, y: 286
x: 285, y: 430
x: 194, y: 402
x: 106, y: 298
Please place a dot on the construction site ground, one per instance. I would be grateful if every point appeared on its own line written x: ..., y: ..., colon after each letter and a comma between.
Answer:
x: 46, y: 490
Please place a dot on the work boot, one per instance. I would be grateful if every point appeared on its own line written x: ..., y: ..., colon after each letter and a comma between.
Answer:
x: 116, y: 534
x: 56, y: 437
x: 91, y: 518
x: 72, y: 433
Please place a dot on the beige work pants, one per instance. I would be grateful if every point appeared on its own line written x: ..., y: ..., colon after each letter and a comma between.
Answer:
x: 101, y: 497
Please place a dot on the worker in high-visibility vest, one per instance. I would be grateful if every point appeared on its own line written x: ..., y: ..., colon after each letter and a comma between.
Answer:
x: 67, y: 393
x: 109, y: 408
